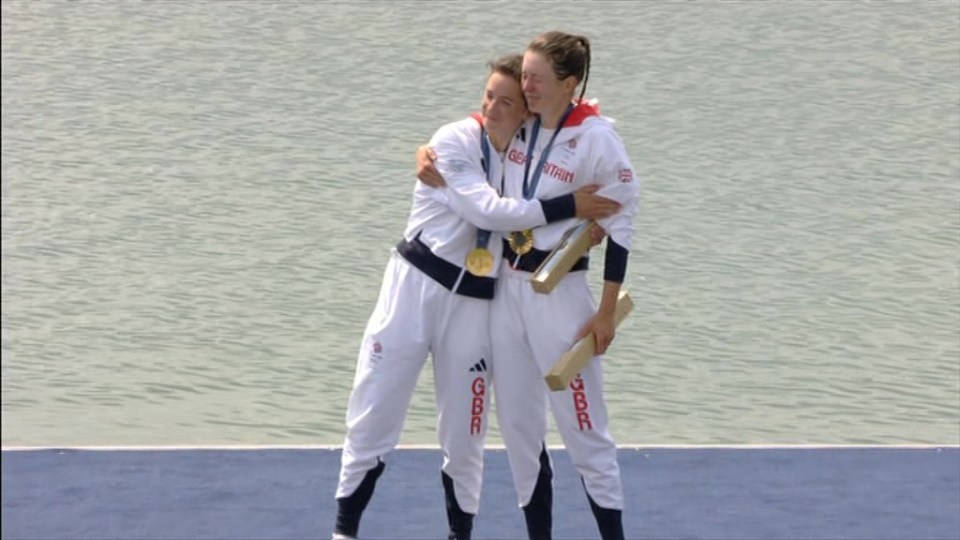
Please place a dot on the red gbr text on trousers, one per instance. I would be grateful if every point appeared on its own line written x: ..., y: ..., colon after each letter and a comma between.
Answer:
x: 479, y: 388
x: 580, y: 403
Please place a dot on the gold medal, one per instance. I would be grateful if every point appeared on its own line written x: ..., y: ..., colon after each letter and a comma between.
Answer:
x: 521, y: 242
x: 480, y: 262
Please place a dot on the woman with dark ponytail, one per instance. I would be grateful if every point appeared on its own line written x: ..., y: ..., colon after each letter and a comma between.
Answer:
x: 568, y: 145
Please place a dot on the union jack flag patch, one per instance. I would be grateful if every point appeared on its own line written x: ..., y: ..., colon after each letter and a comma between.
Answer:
x: 625, y: 175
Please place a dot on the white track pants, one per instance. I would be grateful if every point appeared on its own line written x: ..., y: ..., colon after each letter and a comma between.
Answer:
x: 415, y: 316
x: 531, y: 331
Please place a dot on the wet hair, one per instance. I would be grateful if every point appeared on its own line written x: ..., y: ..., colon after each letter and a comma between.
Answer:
x: 569, y: 55
x: 510, y: 65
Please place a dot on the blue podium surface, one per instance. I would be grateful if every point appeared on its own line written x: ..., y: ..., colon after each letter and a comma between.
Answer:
x: 724, y: 493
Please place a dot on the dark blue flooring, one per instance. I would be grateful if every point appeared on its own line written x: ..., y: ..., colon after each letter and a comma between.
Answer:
x: 671, y: 493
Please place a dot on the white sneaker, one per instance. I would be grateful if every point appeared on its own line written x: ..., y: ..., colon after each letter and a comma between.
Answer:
x: 338, y: 536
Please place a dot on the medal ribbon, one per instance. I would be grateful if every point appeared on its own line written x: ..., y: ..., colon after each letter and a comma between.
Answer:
x: 483, y: 236
x: 531, y: 189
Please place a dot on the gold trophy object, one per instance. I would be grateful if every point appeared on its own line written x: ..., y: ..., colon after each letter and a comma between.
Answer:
x: 582, y: 351
x: 575, y: 242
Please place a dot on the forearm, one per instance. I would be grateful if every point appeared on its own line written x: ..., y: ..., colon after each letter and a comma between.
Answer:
x: 608, y: 298
x: 480, y: 205
x: 614, y: 273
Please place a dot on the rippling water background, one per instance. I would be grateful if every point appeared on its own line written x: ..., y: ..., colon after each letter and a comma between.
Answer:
x: 199, y: 199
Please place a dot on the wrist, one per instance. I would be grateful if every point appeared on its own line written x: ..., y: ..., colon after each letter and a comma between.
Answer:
x: 607, y: 309
x: 559, y: 208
